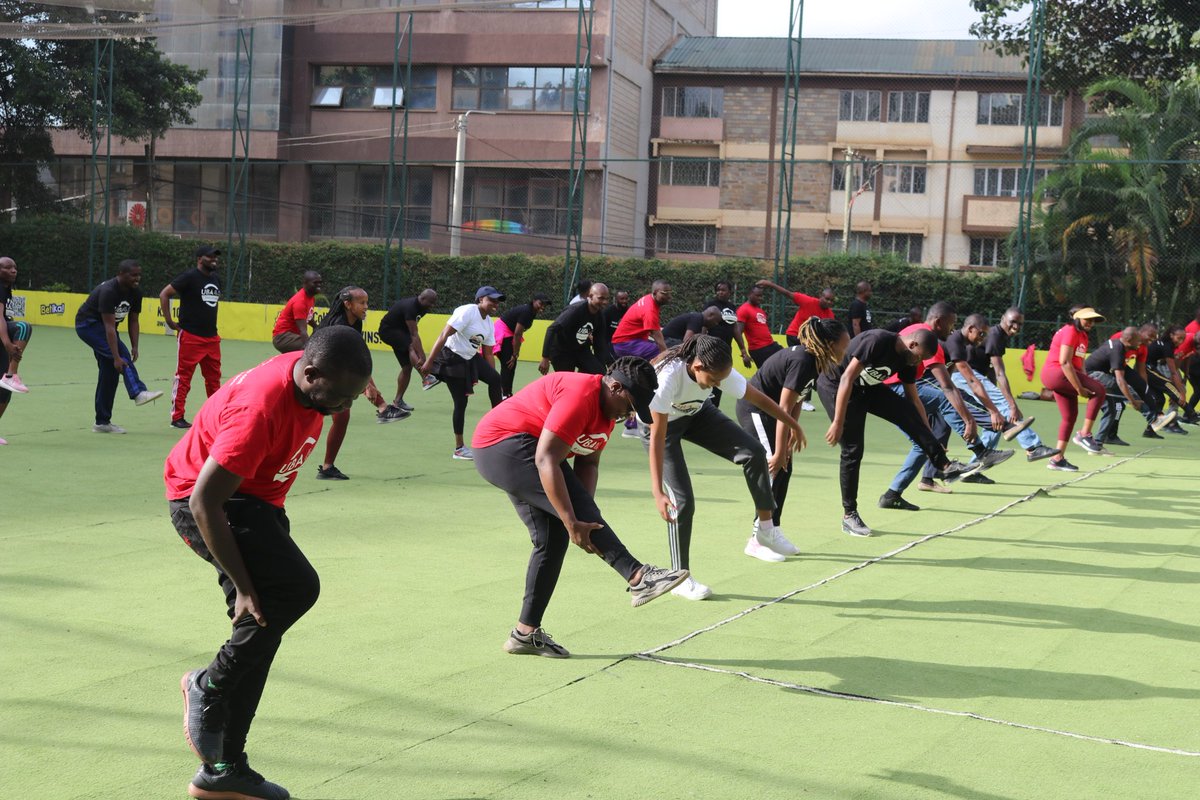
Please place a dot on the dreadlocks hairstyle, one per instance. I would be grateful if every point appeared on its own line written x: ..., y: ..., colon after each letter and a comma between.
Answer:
x: 337, y: 309
x: 638, y: 370
x: 713, y: 353
x: 819, y: 337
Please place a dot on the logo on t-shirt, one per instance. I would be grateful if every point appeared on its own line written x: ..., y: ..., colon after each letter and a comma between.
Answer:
x: 210, y: 294
x: 122, y: 310
x: 761, y: 317
x: 688, y: 407
x: 589, y: 443
x: 476, y: 341
x: 873, y: 375
x: 297, y: 460
x: 584, y: 334
x: 729, y: 316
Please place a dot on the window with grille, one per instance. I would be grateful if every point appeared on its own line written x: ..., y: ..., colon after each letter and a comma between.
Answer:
x: 519, y: 88
x: 685, y: 238
x: 350, y: 201
x: 904, y: 178
x: 689, y: 172
x: 516, y: 201
x: 908, y: 107
x: 1002, y: 108
x: 371, y: 87
x: 906, y: 245
x: 693, y: 101
x: 1004, y: 181
x: 988, y: 252
x: 859, y: 105
x: 857, y: 243
x: 862, y: 175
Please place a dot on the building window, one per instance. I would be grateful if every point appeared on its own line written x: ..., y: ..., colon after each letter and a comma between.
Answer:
x: 859, y: 105
x: 685, y: 238
x: 1004, y: 181
x: 908, y: 107
x: 693, y: 101
x: 350, y: 201
x: 371, y: 87
x: 904, y: 179
x: 689, y: 172
x: 858, y: 242
x: 1000, y: 108
x: 906, y: 245
x: 571, y: 4
x: 989, y: 252
x: 519, y: 88
x: 515, y: 202
x: 862, y: 175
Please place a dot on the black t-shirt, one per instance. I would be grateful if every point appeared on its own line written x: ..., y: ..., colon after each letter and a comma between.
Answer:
x: 677, y: 327
x: 725, y: 331
x: 1158, y: 351
x: 198, y: 298
x: 399, y: 315
x: 996, y: 344
x: 859, y: 311
x: 519, y: 315
x: 956, y: 347
x: 897, y: 326
x: 1108, y: 357
x: 110, y: 298
x: 876, y: 349
x: 612, y: 318
x: 794, y: 368
x: 5, y: 296
x: 574, y: 330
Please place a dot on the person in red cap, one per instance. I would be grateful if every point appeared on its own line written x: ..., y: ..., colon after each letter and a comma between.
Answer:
x: 199, y: 292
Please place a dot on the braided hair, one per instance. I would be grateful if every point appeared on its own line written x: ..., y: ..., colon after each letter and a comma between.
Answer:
x: 714, y: 354
x: 337, y: 309
x: 638, y: 370
x: 819, y: 337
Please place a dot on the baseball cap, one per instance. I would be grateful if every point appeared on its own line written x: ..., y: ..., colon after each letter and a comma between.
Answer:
x: 1087, y: 313
x: 207, y: 250
x: 641, y: 395
x: 542, y: 298
x: 488, y: 291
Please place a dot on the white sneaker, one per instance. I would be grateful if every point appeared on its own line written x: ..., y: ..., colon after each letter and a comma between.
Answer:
x: 807, y: 406
x: 753, y: 548
x: 146, y: 397
x: 774, y: 539
x: 692, y: 589
x: 107, y: 428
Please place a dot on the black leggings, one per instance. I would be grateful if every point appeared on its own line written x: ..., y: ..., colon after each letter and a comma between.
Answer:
x: 460, y: 391
x: 507, y: 374
x: 1193, y: 377
x: 881, y: 401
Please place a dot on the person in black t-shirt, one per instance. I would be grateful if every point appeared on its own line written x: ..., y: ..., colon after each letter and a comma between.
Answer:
x: 199, y: 292
x: 915, y: 316
x: 856, y: 389
x: 730, y: 329
x: 578, y: 337
x: 14, y: 336
x: 1108, y: 365
x: 398, y: 330
x: 860, y: 315
x: 691, y: 323
x: 96, y: 324
x: 785, y: 378
x: 1162, y: 371
x: 613, y: 315
x: 510, y: 330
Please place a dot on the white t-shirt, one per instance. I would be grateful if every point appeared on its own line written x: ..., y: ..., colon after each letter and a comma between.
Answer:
x: 472, y: 331
x: 678, y: 394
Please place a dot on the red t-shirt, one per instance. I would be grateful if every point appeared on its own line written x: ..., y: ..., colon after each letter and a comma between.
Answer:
x: 806, y: 306
x: 939, y: 356
x: 754, y: 320
x: 566, y: 403
x: 298, y: 307
x: 641, y: 318
x: 1069, y: 336
x: 254, y: 427
x: 1189, y: 343
x: 1135, y: 356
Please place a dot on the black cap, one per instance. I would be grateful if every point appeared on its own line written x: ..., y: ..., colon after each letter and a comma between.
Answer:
x: 488, y: 291
x: 640, y: 394
x: 542, y: 298
x: 207, y: 250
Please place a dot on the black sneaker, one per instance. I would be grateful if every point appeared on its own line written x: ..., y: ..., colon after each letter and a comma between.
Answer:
x: 1150, y: 434
x: 980, y: 478
x: 180, y: 423
x: 1040, y: 452
x: 1191, y: 418
x: 1114, y: 440
x: 535, y: 643
x: 392, y: 414
x: 1175, y: 428
x: 956, y: 470
x: 894, y: 500
x: 1062, y: 465
x: 1014, y: 429
x: 237, y: 780
x: 204, y: 716
x: 655, y: 582
x: 853, y: 524
x: 403, y: 406
x: 331, y: 473
x: 990, y: 458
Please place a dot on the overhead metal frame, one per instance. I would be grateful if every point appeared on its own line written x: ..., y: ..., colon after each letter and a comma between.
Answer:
x: 1021, y: 255
x: 577, y: 177
x: 787, y: 152
x: 238, y: 209
x: 102, y: 112
x: 397, y: 221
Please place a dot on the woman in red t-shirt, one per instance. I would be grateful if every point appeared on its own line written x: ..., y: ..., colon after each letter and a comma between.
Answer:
x: 1063, y: 375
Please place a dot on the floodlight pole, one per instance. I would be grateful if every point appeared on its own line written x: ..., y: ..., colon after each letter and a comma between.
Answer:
x: 238, y: 215
x: 1022, y: 255
x: 577, y: 176
x: 102, y: 111
x: 396, y: 222
x: 787, y: 160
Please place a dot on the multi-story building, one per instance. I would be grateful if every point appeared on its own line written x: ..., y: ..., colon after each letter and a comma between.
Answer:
x: 321, y: 109
x: 934, y: 129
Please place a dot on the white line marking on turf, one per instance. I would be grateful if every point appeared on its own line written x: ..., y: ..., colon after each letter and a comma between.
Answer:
x: 903, y: 548
x: 915, y: 706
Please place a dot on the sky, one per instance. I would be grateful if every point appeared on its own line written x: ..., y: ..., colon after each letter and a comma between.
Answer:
x: 869, y: 19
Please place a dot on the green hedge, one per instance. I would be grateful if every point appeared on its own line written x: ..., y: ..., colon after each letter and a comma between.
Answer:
x: 54, y: 250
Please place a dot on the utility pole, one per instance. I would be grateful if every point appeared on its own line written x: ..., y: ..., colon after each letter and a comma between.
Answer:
x: 847, y: 174
x: 456, y: 204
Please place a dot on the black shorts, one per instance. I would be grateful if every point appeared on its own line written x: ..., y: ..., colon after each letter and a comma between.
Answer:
x: 400, y: 340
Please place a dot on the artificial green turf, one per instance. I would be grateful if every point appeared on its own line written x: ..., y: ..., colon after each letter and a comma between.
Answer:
x: 1074, y: 611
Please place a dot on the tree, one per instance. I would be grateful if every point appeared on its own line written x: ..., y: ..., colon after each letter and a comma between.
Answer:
x: 1089, y: 40
x: 46, y: 84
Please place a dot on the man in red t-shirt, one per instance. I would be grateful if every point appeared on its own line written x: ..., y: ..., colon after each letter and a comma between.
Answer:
x: 226, y: 480
x: 1187, y: 353
x: 806, y: 306
x: 524, y: 447
x: 295, y: 318
x: 754, y: 324
x: 640, y: 331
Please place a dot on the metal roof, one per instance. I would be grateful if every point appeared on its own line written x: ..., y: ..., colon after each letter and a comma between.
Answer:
x: 942, y: 57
